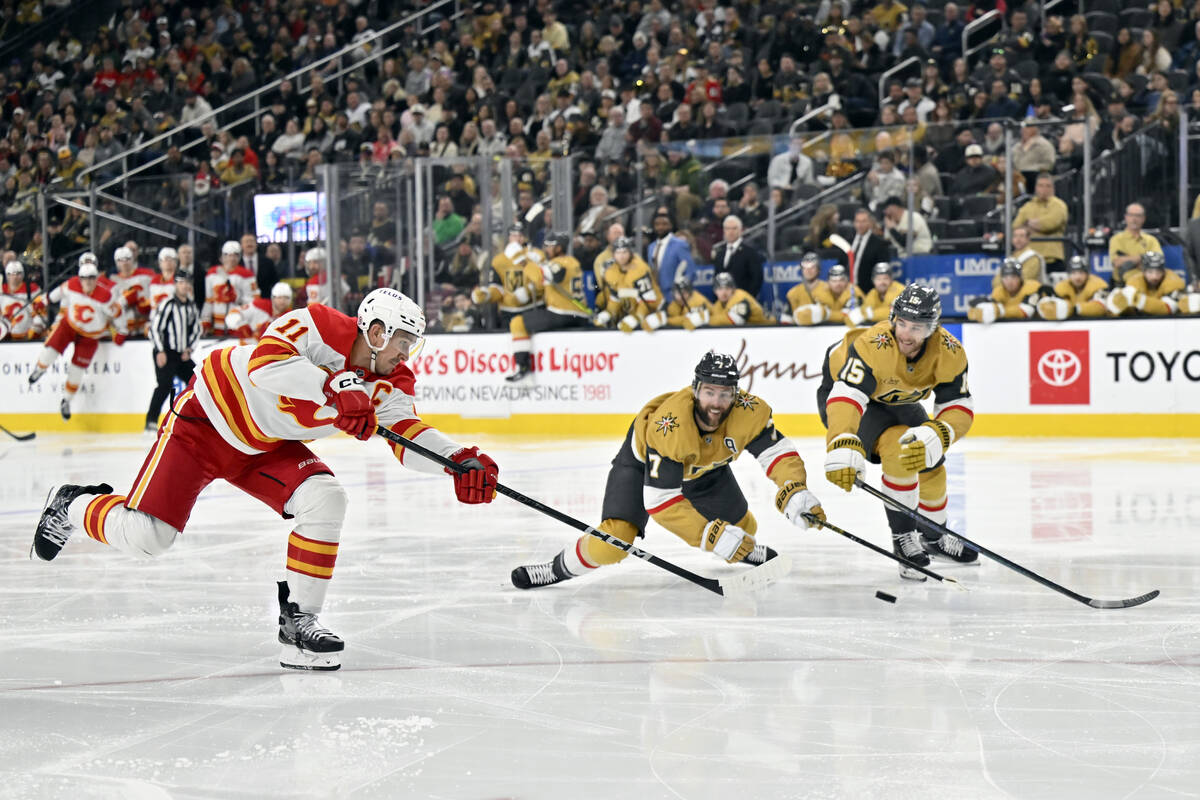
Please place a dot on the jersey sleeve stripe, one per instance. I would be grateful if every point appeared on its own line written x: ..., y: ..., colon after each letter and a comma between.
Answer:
x: 779, y: 458
x: 772, y: 454
x: 844, y: 391
x: 409, y: 429
x: 964, y: 404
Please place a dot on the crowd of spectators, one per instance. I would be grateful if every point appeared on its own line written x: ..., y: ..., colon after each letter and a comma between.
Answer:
x: 628, y: 83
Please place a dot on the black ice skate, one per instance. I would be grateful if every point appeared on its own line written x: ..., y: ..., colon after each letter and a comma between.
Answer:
x: 36, y: 375
x: 950, y: 548
x: 907, y: 546
x: 524, y: 367
x: 534, y: 575
x: 64, y: 408
x: 306, y: 645
x: 54, y: 528
x: 761, y: 554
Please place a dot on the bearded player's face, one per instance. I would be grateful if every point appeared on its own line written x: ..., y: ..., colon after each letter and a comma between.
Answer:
x: 712, y: 404
x: 911, y: 335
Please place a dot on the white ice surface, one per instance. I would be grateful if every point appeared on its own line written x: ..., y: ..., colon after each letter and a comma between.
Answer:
x: 131, y: 679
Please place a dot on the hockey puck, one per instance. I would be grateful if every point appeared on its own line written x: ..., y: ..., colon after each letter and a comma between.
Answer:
x: 884, y: 596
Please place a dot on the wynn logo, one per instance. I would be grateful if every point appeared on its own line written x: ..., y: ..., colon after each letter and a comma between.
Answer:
x: 771, y: 369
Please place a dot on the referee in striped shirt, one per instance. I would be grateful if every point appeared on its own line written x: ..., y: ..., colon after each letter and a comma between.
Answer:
x: 174, y: 331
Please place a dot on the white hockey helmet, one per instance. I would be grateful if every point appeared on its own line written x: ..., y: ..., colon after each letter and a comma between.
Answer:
x: 231, y: 248
x: 397, y: 312
x: 88, y: 269
x: 89, y: 258
x: 315, y: 254
x: 14, y: 268
x: 167, y: 252
x: 281, y: 289
x: 122, y: 254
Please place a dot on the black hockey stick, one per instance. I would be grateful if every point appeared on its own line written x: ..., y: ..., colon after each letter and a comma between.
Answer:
x: 751, y: 579
x: 20, y: 437
x: 814, y: 520
x: 1049, y: 584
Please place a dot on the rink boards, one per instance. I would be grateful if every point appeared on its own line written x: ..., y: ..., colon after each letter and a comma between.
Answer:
x: 1098, y: 378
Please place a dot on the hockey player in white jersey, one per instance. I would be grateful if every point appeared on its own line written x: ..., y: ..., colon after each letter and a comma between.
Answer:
x: 226, y: 286
x: 162, y: 286
x: 131, y: 286
x: 318, y: 289
x: 244, y: 417
x: 250, y: 321
x: 20, y: 306
x: 87, y: 311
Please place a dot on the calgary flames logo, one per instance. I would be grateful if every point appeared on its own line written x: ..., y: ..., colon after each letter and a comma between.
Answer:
x: 667, y: 424
x: 882, y: 341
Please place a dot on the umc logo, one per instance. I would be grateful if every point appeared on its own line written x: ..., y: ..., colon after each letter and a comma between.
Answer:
x: 1058, y: 368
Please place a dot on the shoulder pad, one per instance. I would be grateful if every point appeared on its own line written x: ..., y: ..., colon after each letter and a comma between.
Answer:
x: 671, y: 428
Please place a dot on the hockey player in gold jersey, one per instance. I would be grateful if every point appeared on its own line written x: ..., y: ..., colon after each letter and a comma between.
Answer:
x: 735, y: 306
x: 674, y: 466
x: 805, y: 310
x: 515, y: 281
x: 1154, y: 291
x: 561, y: 285
x: 688, y: 308
x: 836, y: 296
x: 872, y: 383
x: 1080, y: 294
x: 1015, y: 298
x: 633, y: 297
x: 877, y: 305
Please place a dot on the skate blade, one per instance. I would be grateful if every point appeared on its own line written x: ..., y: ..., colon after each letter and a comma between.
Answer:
x: 757, y: 577
x: 912, y: 575
x: 946, y: 562
x: 294, y: 658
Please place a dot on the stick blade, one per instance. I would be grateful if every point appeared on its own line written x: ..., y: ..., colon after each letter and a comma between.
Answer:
x: 1127, y: 603
x: 756, y: 578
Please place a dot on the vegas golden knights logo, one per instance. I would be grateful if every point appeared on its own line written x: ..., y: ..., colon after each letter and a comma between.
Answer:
x: 667, y: 424
x: 897, y: 397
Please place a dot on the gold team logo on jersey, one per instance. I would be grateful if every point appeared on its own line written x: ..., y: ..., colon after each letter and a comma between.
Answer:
x: 882, y: 341
x: 746, y: 401
x: 667, y: 424
x: 950, y: 342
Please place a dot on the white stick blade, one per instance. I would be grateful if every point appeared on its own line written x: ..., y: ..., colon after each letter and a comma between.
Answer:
x: 757, y: 578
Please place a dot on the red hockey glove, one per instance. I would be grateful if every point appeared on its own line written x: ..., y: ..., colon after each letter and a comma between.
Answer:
x: 478, y: 484
x: 355, y: 413
x: 118, y: 339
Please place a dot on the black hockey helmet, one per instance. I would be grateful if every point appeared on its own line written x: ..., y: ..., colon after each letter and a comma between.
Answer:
x: 1152, y: 259
x: 882, y: 268
x: 839, y: 271
x: 623, y: 243
x: 724, y: 280
x: 555, y: 240
x: 1010, y: 266
x: 1077, y: 264
x: 918, y: 304
x: 716, y: 368
x: 684, y: 287
x: 182, y: 274
x: 517, y: 228
x: 809, y: 259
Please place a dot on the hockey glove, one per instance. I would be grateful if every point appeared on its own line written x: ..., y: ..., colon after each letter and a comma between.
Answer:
x: 118, y: 339
x: 478, y: 483
x: 355, y: 414
x: 845, y: 460
x: 727, y: 540
x: 794, y: 500
x: 923, y: 446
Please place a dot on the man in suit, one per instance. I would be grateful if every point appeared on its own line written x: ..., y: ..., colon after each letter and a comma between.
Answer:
x: 739, y: 258
x: 669, y: 256
x: 259, y: 265
x: 868, y: 249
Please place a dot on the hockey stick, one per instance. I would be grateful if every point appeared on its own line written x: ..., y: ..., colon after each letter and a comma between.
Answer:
x: 20, y: 437
x: 747, y: 581
x: 925, y: 521
x: 814, y: 520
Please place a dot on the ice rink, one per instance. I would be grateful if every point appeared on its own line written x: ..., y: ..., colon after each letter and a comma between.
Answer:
x: 130, y: 679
